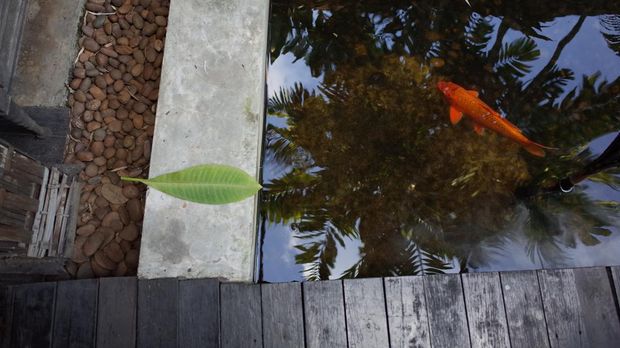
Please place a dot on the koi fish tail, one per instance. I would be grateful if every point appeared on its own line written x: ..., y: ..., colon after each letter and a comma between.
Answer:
x: 536, y: 149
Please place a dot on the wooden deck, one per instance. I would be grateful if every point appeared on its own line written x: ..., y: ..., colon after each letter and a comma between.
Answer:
x: 547, y: 308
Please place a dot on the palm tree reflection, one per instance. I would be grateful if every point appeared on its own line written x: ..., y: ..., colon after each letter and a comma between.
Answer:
x: 369, y: 154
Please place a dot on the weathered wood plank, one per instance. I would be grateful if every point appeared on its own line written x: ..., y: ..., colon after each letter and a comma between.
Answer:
x: 597, y: 305
x: 75, y: 313
x: 157, y: 312
x: 241, y: 324
x: 579, y: 308
x: 446, y: 311
x: 485, y: 310
x: 283, y: 315
x: 33, y: 311
x: 199, y: 307
x: 365, y: 313
x: 524, y: 309
x: 116, y: 315
x: 324, y: 314
x: 6, y: 315
x: 406, y: 312
x: 615, y: 272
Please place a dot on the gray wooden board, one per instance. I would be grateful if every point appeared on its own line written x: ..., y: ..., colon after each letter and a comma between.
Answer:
x: 615, y: 272
x: 324, y: 314
x: 157, y: 312
x: 283, y: 315
x: 406, y: 312
x: 10, y: 39
x: 240, y: 313
x: 75, y: 313
x: 33, y: 311
x: 365, y: 313
x: 598, y: 307
x: 199, y: 313
x: 524, y: 310
x: 579, y: 308
x: 446, y: 311
x: 486, y: 315
x: 560, y: 302
x: 116, y: 316
x: 6, y: 315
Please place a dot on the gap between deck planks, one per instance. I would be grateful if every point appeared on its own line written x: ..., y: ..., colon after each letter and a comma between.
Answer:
x: 546, y: 308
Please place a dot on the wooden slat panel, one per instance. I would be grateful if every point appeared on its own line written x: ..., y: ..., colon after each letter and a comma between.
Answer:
x: 446, y: 311
x: 241, y: 324
x: 579, y: 308
x: 485, y: 310
x: 116, y: 315
x: 524, y: 309
x: 199, y: 307
x: 324, y: 317
x: 6, y: 315
x: 406, y: 311
x: 365, y: 313
x: 75, y: 313
x: 33, y: 311
x: 157, y: 312
x: 282, y: 315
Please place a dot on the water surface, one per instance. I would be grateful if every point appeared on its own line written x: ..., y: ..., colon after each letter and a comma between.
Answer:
x: 365, y: 176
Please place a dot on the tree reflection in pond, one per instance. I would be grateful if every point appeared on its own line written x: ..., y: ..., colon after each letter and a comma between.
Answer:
x: 365, y: 152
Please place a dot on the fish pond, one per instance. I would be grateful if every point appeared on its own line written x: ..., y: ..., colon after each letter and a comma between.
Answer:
x: 364, y: 174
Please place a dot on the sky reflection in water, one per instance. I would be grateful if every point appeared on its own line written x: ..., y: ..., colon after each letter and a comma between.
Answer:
x: 390, y: 187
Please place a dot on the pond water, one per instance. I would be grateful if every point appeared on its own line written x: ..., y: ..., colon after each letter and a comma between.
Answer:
x: 365, y: 175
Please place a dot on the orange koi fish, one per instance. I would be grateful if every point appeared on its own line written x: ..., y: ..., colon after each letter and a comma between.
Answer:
x: 467, y: 102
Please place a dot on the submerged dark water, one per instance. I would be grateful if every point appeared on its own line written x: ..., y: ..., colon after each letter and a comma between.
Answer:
x: 365, y: 176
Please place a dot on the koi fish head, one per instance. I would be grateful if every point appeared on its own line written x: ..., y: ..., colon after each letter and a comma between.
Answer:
x: 447, y: 88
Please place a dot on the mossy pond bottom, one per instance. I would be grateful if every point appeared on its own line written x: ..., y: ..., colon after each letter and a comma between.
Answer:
x: 366, y: 176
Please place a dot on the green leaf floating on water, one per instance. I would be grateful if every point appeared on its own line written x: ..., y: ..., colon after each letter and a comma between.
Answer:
x: 207, y: 183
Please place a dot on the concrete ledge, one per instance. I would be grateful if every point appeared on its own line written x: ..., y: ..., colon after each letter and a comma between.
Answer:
x: 210, y: 111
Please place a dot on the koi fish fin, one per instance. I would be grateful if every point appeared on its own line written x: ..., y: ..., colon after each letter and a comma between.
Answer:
x: 455, y: 115
x: 478, y: 129
x: 535, y: 149
x: 474, y: 93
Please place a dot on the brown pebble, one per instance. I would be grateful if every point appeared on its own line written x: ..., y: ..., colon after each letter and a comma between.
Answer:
x: 79, y: 73
x: 92, y: 126
x: 108, y: 234
x: 118, y: 85
x: 131, y: 258
x: 114, y: 252
x: 104, y: 261
x: 97, y: 148
x: 131, y: 191
x: 100, y: 161
x: 99, y: 134
x: 85, y: 156
x: 101, y: 82
x: 85, y: 230
x: 109, y: 152
x: 113, y: 221
x: 121, y: 269
x: 113, y: 193
x: 135, y: 209
x: 90, y: 44
x: 161, y: 21
x: 138, y: 121
x: 85, y: 84
x: 84, y: 271
x: 98, y: 270
x: 129, y: 233
x: 127, y: 125
x: 93, y: 104
x: 93, y: 243
x: 123, y: 49
x: 137, y: 69
x: 97, y: 93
